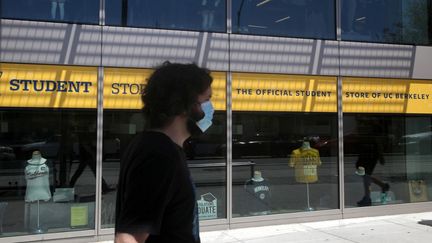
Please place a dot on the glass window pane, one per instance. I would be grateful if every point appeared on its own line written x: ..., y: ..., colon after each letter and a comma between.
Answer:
x: 294, y: 18
x: 395, y: 152
x: 47, y: 149
x: 284, y: 144
x: 71, y: 11
x: 389, y: 21
x: 206, y: 154
x: 207, y: 15
x: 387, y: 141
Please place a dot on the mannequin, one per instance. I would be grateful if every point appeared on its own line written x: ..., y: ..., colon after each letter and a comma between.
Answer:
x: 258, y: 194
x: 60, y: 4
x: 305, y: 161
x: 38, y: 187
x: 208, y: 12
x: 37, y: 177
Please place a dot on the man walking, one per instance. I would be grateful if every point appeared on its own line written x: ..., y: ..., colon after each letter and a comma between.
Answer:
x: 156, y: 196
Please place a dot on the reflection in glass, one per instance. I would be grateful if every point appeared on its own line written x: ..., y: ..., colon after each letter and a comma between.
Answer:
x: 389, y: 21
x: 120, y: 127
x: 75, y: 11
x: 278, y: 155
x: 40, y: 149
x: 205, y: 155
x: 295, y: 18
x: 387, y: 159
x: 207, y: 15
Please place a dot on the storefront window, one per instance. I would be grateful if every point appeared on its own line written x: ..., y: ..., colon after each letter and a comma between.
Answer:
x: 285, y: 155
x: 387, y: 141
x: 206, y: 154
x: 71, y: 11
x: 206, y: 15
x: 293, y: 18
x: 389, y: 21
x: 48, y: 149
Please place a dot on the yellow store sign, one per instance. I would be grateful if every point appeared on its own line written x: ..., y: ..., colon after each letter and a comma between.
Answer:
x: 123, y: 88
x: 372, y: 95
x: 47, y: 86
x: 271, y: 92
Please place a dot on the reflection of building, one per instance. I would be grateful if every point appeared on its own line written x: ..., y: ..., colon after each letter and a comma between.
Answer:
x: 288, y: 73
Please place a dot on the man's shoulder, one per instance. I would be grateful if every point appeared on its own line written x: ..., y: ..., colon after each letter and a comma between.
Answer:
x: 152, y: 146
x: 152, y: 142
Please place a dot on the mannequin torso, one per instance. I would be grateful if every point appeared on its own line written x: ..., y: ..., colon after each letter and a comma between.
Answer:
x: 37, y: 177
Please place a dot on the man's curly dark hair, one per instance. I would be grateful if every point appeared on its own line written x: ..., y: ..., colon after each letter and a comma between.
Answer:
x: 173, y: 89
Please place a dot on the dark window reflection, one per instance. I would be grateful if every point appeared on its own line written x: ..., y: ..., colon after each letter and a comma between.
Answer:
x: 40, y: 151
x: 74, y: 11
x: 390, y: 21
x: 278, y: 155
x: 207, y: 15
x: 387, y: 159
x: 206, y: 155
x: 295, y: 18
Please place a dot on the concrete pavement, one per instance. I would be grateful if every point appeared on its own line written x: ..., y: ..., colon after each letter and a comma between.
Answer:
x: 383, y: 229
x: 392, y: 229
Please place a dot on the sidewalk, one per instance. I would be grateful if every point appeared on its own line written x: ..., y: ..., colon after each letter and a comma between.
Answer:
x: 393, y: 229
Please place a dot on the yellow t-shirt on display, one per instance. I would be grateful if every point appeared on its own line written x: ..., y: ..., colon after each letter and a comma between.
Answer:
x: 305, y: 161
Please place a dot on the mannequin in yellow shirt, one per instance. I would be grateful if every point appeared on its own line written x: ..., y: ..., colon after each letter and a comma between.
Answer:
x: 305, y: 161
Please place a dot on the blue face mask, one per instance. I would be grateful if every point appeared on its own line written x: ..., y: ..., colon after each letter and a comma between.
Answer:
x: 206, y: 122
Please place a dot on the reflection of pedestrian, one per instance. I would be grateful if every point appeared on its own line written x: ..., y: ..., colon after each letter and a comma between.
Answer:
x: 208, y: 13
x: 61, y: 5
x: 87, y: 157
x: 370, y: 153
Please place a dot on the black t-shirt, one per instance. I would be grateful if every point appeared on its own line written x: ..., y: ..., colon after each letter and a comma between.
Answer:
x: 155, y: 192
x: 258, y: 196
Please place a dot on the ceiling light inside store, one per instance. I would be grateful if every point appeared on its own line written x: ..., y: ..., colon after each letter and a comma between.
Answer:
x: 263, y: 2
x: 257, y: 26
x: 361, y: 19
x: 282, y: 19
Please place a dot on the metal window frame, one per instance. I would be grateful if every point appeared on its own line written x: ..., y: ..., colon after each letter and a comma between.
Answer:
x: 99, y: 142
x: 341, y: 172
x: 99, y: 152
x: 229, y: 118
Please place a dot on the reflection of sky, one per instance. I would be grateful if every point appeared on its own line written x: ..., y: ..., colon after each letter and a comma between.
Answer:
x: 83, y: 11
x: 383, y: 21
x: 185, y: 14
x: 292, y: 18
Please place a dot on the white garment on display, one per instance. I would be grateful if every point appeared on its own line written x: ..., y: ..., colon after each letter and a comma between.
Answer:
x: 257, y: 177
x: 37, y: 177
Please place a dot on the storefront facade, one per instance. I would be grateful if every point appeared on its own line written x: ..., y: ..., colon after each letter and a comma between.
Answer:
x: 305, y: 93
